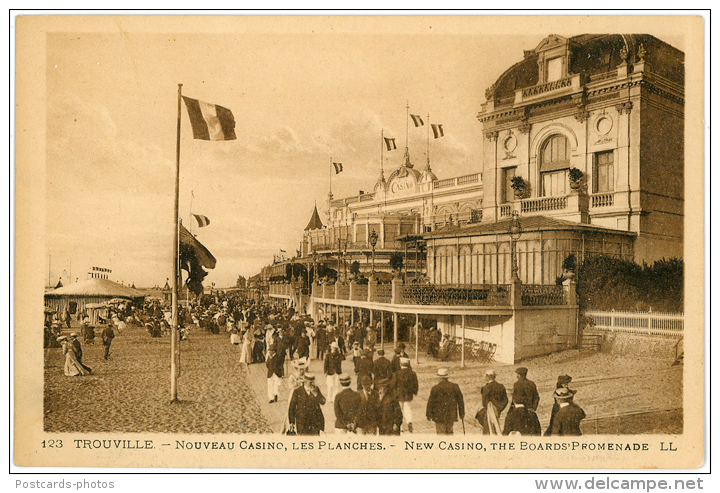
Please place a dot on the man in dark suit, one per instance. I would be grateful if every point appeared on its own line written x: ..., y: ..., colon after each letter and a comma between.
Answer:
x: 390, y: 414
x: 333, y: 369
x: 364, y: 368
x: 382, y: 366
x: 274, y: 373
x: 304, y: 410
x: 399, y: 353
x: 521, y: 416
x: 406, y: 386
x: 445, y: 404
x: 368, y: 416
x: 494, y: 400
x: 346, y: 406
x: 77, y: 349
x: 107, y: 336
x: 567, y: 420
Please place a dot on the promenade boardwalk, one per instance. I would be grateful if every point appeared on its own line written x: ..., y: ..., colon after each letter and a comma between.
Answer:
x: 130, y: 392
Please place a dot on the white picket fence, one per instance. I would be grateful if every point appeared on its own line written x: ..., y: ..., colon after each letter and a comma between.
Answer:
x: 653, y: 323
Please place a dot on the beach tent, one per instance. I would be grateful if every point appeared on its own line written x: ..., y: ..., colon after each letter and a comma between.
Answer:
x: 90, y: 292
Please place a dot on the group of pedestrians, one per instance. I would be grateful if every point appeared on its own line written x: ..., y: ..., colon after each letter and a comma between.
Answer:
x: 521, y: 417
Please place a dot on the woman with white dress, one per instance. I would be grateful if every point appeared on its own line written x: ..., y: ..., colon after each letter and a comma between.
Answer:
x: 72, y: 368
x: 247, y: 346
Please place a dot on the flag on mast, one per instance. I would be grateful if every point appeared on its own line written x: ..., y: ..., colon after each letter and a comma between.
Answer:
x: 210, y: 121
x: 193, y: 257
x: 390, y: 143
x: 338, y: 167
x: 437, y: 130
x: 417, y: 120
x: 201, y: 220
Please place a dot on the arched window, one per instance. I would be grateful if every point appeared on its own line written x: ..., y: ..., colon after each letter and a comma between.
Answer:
x: 554, y: 165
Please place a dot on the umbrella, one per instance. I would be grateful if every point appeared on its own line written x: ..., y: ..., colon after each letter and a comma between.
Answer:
x: 115, y: 301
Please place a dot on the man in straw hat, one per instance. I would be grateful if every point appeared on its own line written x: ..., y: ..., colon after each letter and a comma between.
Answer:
x: 406, y: 386
x: 305, y: 411
x: 494, y: 400
x: 333, y: 368
x: 445, y: 404
x: 346, y: 406
x: 567, y: 420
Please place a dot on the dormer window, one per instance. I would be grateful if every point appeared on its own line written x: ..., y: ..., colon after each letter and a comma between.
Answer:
x: 554, y: 69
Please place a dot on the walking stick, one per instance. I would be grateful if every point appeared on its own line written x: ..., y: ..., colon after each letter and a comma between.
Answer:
x: 463, y: 422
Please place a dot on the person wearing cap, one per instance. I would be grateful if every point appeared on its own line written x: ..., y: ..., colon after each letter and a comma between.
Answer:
x: 382, y: 368
x: 494, y: 400
x: 304, y: 410
x: 77, y: 348
x: 364, y: 368
x: 333, y: 368
x: 567, y: 420
x: 406, y: 386
x: 274, y: 373
x: 347, y: 402
x: 368, y: 415
x: 390, y: 413
x: 445, y: 404
x: 521, y: 416
x: 302, y: 344
x: 562, y: 382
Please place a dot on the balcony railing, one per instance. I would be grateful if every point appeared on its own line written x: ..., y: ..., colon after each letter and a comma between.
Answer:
x: 430, y: 294
x: 383, y: 293
x: 602, y: 200
x: 343, y: 291
x: 543, y: 295
x: 542, y: 204
x: 505, y: 210
x: 460, y: 180
x: 360, y: 292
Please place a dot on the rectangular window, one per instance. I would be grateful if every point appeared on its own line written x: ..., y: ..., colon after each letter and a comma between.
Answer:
x: 603, y: 173
x: 554, y: 69
x: 554, y: 183
x: 507, y: 193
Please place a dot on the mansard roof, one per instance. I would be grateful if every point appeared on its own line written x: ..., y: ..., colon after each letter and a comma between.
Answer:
x: 593, y: 54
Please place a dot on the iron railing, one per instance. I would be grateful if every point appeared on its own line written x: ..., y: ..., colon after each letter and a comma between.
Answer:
x: 430, y: 294
x: 543, y: 295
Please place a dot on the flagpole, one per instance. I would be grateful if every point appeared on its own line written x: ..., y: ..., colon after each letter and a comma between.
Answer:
x: 428, y: 140
x: 174, y: 346
x: 407, y: 126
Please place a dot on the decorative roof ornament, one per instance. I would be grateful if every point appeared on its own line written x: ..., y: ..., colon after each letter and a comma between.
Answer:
x: 315, y: 222
x: 641, y: 53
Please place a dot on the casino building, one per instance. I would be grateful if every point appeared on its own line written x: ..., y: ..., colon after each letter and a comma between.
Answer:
x: 583, y: 152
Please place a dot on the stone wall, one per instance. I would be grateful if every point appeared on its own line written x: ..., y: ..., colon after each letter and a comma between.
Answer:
x: 641, y: 345
x: 544, y: 330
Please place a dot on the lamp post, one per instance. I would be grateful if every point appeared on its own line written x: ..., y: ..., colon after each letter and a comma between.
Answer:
x: 373, y: 243
x: 515, y: 231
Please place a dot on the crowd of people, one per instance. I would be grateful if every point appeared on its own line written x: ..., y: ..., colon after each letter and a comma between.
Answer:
x: 286, y: 342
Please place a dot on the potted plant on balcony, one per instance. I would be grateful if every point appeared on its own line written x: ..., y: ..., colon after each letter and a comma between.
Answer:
x: 396, y: 263
x: 576, y: 178
x: 519, y: 186
x: 354, y: 270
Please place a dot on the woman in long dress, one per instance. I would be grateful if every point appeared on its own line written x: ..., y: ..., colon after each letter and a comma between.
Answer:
x: 247, y: 346
x: 72, y: 367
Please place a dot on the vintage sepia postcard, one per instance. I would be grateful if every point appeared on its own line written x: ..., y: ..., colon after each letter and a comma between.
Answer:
x: 359, y: 242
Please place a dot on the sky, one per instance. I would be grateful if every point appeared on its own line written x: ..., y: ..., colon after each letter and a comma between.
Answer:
x: 303, y: 94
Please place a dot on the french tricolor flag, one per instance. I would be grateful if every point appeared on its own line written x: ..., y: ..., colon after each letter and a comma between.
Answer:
x: 210, y: 121
x: 437, y: 130
x: 201, y: 220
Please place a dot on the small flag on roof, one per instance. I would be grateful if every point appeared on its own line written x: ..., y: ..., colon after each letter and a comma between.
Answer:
x: 201, y: 220
x: 210, y: 121
x: 437, y: 130
x: 390, y: 143
x: 338, y: 167
x: 417, y: 120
